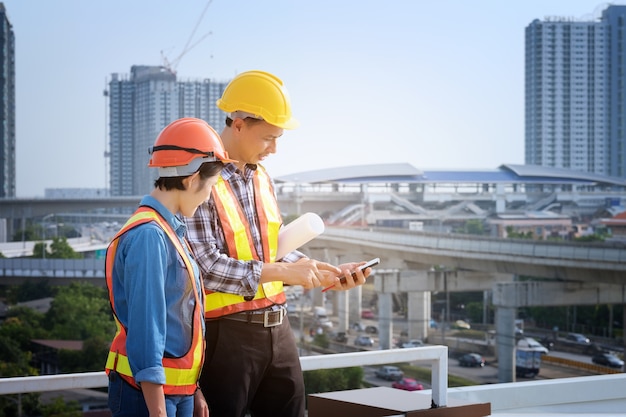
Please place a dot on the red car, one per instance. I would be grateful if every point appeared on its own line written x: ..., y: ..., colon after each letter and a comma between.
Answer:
x: 367, y: 314
x: 407, y: 384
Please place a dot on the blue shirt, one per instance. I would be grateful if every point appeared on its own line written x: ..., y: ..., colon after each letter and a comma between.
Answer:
x: 153, y: 297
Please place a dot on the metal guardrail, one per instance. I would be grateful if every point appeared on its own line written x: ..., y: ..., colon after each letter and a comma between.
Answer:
x: 437, y: 356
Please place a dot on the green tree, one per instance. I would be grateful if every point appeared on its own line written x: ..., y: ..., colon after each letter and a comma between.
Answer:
x: 15, y: 361
x: 40, y: 250
x: 90, y: 359
x: 321, y: 340
x: 80, y: 311
x: 513, y: 234
x: 60, y: 249
x: 474, y: 227
x: 61, y: 408
x: 325, y: 380
x: 22, y: 325
x: 32, y: 231
x: 28, y: 291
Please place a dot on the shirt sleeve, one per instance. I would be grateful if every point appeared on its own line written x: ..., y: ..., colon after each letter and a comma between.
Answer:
x: 145, y: 265
x: 220, y: 272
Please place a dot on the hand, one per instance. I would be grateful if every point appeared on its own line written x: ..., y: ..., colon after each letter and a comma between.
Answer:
x: 200, y: 406
x: 353, y: 277
x: 311, y: 273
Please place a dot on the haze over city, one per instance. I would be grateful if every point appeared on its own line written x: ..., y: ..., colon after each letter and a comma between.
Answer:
x: 435, y: 84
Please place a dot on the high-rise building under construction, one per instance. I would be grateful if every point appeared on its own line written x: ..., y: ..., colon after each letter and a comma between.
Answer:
x: 140, y: 105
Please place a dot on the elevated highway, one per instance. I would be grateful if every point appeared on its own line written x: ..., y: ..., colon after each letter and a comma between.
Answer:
x: 406, y: 250
x: 595, y: 262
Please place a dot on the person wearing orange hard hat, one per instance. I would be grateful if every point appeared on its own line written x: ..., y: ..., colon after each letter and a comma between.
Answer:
x: 154, y: 284
x: 252, y: 363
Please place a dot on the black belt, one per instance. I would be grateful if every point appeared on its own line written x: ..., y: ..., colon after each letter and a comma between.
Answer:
x: 266, y: 318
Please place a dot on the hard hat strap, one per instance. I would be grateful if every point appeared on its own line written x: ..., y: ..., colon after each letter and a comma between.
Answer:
x: 178, y: 148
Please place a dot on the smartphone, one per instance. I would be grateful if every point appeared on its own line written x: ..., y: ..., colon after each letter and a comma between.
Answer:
x: 368, y: 264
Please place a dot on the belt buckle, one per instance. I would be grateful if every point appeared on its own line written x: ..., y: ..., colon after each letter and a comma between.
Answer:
x: 276, y: 317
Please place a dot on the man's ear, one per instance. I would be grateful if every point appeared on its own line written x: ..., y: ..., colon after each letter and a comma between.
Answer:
x: 238, y: 124
x: 190, y: 180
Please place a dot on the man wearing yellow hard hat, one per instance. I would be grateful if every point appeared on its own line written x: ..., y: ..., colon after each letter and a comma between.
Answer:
x: 252, y: 364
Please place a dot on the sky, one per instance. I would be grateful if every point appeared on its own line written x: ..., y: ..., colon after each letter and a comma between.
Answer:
x: 437, y: 84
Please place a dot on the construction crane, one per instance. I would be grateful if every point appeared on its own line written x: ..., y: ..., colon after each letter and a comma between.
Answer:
x: 173, y: 64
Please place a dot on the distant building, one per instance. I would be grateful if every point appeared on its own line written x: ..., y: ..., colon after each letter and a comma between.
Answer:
x: 7, y: 106
x: 616, y: 226
x: 75, y: 192
x: 140, y: 106
x: 576, y: 93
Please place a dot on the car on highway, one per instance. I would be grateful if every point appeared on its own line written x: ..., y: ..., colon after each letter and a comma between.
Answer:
x: 371, y: 329
x: 578, y: 338
x: 532, y: 344
x: 390, y: 373
x: 607, y: 359
x: 407, y: 384
x: 461, y: 325
x: 367, y: 314
x: 471, y: 359
x: 339, y: 337
x: 357, y: 326
x: 413, y: 343
x: 363, y: 340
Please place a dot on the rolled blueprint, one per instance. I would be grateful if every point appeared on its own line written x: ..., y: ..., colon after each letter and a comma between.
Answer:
x: 298, y: 232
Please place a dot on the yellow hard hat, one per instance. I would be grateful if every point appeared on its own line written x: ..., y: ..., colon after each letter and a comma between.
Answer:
x: 260, y: 94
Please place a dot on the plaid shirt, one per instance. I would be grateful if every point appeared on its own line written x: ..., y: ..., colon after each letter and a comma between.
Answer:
x: 220, y: 272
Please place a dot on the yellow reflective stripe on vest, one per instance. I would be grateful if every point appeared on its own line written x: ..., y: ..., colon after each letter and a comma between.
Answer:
x: 181, y: 374
x: 236, y: 229
x: 240, y: 245
x: 270, y: 218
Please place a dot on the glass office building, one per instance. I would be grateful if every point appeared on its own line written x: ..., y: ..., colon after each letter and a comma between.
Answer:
x: 576, y: 94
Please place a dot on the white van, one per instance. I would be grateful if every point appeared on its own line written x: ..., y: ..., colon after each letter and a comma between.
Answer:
x: 322, y: 317
x: 528, y: 343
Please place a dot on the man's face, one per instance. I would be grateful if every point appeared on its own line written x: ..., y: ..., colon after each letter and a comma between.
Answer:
x: 258, y: 141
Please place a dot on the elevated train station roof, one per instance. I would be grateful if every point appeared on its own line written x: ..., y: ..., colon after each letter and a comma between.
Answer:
x: 407, y: 173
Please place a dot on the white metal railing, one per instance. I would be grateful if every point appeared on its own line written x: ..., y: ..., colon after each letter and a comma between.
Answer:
x: 437, y: 356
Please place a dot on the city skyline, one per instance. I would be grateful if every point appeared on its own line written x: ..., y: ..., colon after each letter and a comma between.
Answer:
x: 437, y: 85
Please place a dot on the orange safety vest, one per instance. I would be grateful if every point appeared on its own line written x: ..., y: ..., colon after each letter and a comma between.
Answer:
x: 240, y: 245
x: 181, y: 374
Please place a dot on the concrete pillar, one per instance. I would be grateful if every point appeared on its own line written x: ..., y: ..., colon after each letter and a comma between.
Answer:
x: 342, y: 300
x: 386, y: 284
x: 385, y: 325
x: 418, y: 316
x: 355, y: 297
x: 505, y: 343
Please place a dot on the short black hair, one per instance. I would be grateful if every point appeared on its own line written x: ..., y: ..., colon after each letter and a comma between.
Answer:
x: 206, y: 170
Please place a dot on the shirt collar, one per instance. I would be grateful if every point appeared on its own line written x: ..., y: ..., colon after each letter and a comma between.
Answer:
x: 231, y: 169
x: 169, y: 217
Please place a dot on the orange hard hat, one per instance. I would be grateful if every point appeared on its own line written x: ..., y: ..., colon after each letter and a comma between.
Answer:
x: 184, y: 145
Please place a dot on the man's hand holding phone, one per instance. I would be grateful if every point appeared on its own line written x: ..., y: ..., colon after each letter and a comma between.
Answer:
x: 362, y: 268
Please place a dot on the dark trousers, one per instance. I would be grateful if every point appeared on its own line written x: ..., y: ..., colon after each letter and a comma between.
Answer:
x: 251, y: 368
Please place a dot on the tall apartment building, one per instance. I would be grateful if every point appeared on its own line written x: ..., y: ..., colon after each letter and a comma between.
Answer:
x: 575, y: 112
x: 7, y: 106
x: 140, y: 106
